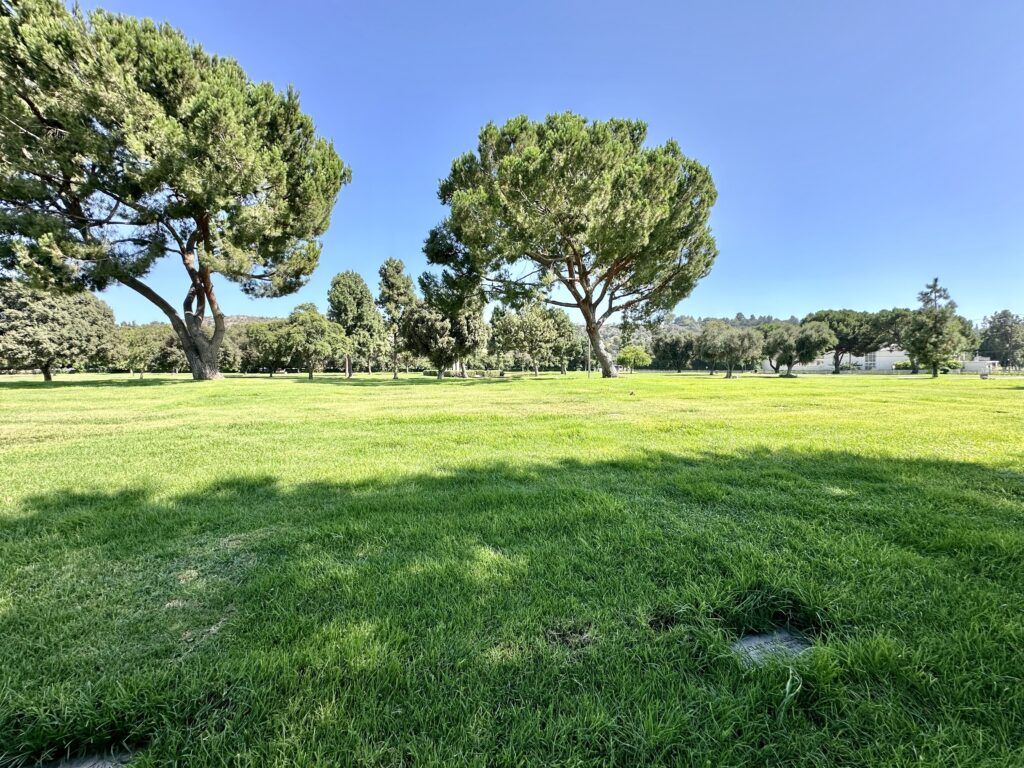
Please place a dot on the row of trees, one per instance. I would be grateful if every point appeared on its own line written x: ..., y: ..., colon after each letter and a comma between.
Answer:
x: 399, y: 329
x: 932, y: 335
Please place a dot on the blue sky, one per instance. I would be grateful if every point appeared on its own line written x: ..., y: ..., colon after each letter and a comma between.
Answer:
x: 859, y: 149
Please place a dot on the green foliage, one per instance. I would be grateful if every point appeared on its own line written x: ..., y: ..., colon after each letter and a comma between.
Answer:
x: 49, y: 330
x: 711, y: 344
x: 315, y: 340
x: 540, y: 336
x: 351, y: 305
x: 936, y: 332
x: 742, y: 346
x: 1002, y: 339
x: 673, y: 348
x: 266, y: 346
x: 395, y: 295
x: 855, y: 332
x: 138, y: 346
x: 633, y: 356
x: 123, y: 142
x: 790, y: 344
x: 427, y: 332
x: 577, y: 209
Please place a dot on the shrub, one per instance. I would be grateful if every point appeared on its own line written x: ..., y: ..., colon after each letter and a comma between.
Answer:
x: 430, y: 372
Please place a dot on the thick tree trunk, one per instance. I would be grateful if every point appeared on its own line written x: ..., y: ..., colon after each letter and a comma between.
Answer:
x: 728, y: 374
x: 837, y: 362
x: 310, y: 374
x: 789, y: 370
x: 46, y: 369
x: 608, y: 369
x: 914, y: 367
x: 348, y: 367
x: 935, y: 370
x: 562, y: 371
x: 203, y: 362
x: 440, y: 372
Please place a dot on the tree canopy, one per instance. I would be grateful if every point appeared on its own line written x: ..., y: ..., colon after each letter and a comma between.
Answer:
x: 124, y: 143
x: 316, y: 341
x: 854, y: 332
x: 936, y: 333
x: 581, y: 213
x: 1002, y: 339
x: 139, y: 346
x: 633, y: 356
x: 395, y: 296
x: 48, y: 330
x: 351, y: 305
x: 742, y: 346
x: 789, y: 344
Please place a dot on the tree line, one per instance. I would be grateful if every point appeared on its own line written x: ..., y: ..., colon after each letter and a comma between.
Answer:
x: 402, y: 329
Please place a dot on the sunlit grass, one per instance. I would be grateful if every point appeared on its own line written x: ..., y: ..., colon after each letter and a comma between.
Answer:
x: 260, y: 572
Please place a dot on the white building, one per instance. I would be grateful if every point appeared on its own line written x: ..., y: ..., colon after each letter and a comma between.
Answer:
x: 883, y: 361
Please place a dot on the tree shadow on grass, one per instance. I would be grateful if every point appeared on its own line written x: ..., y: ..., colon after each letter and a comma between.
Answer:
x: 548, y: 613
x: 70, y: 382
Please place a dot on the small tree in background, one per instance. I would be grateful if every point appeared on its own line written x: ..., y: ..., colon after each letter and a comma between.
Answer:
x: 426, y: 332
x: 633, y: 356
x: 711, y: 343
x: 138, y: 346
x: 315, y: 339
x: 351, y: 305
x: 46, y: 330
x: 742, y: 346
x: 673, y: 348
x: 457, y: 297
x: 790, y: 344
x: 854, y: 332
x: 395, y: 296
x: 569, y: 343
x: 1002, y: 339
x: 891, y: 330
x: 266, y: 345
x: 936, y: 333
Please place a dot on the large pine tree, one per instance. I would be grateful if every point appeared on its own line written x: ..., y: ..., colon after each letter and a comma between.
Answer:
x: 123, y: 143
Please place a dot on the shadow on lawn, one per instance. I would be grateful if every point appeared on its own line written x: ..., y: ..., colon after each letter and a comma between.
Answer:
x: 68, y: 382
x: 544, y: 609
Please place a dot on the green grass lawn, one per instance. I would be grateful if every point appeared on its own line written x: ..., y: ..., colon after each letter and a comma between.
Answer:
x: 506, y: 572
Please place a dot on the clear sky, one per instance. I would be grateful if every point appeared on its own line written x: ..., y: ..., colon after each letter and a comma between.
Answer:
x: 859, y: 149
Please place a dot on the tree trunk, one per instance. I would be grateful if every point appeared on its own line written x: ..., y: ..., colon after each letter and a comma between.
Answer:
x: 536, y: 370
x: 914, y: 367
x: 789, y: 370
x: 202, y: 359
x: 47, y: 372
x: 562, y: 371
x: 348, y: 367
x: 440, y: 372
x: 608, y: 369
x: 728, y: 374
x: 837, y: 361
x: 310, y: 374
x: 935, y: 370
